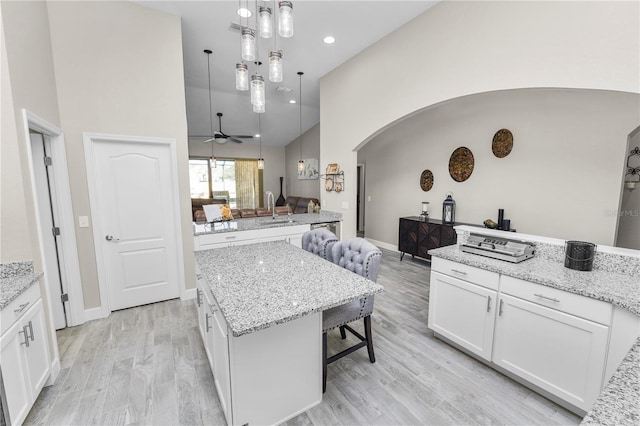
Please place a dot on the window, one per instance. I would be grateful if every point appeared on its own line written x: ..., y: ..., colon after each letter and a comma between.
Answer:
x: 238, y: 181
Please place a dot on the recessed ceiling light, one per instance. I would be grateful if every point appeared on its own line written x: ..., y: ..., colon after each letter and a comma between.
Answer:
x: 243, y: 12
x: 329, y: 40
x: 292, y: 101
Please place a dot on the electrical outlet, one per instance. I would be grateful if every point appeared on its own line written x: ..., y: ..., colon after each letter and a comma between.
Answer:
x: 369, y: 198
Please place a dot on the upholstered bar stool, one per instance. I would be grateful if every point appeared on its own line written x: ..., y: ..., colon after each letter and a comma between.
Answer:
x: 319, y: 241
x: 360, y: 256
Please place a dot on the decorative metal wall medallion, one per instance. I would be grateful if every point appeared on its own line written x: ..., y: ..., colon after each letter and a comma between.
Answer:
x: 461, y: 164
x: 502, y: 143
x: 426, y: 180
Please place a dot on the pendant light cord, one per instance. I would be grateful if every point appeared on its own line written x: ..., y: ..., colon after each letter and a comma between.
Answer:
x: 300, y: 73
x: 260, y: 132
x: 208, y: 52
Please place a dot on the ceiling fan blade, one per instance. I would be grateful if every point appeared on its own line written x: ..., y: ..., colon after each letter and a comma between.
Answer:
x: 209, y: 140
x: 241, y: 136
x: 232, y: 139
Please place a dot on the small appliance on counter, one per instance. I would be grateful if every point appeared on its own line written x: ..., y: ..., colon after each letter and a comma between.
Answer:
x: 514, y: 251
x: 579, y: 255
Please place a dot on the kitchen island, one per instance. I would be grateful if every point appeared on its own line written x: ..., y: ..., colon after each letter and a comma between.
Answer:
x: 570, y: 335
x: 260, y: 311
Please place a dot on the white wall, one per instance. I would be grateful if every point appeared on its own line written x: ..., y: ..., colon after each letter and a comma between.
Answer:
x: 561, y: 179
x: 460, y: 48
x: 118, y: 69
x: 274, y: 165
x: 310, y: 148
x: 629, y: 213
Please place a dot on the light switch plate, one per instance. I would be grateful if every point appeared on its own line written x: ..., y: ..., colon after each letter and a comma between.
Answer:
x: 369, y: 198
x: 83, y: 221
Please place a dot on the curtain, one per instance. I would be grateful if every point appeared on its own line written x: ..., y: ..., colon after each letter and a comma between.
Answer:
x: 248, y: 185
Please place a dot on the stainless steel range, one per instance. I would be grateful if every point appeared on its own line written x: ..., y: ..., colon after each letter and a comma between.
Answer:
x: 514, y: 251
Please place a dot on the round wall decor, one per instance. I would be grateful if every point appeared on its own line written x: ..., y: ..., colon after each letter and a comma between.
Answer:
x: 426, y: 180
x: 461, y: 164
x: 502, y: 143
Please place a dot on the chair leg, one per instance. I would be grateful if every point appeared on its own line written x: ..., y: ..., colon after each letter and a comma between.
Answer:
x: 343, y: 334
x: 324, y: 362
x: 369, y: 337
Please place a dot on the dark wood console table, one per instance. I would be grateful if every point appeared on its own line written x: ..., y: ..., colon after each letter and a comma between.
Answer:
x: 416, y: 237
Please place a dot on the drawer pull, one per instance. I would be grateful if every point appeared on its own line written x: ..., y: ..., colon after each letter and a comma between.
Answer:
x: 206, y: 321
x: 500, y: 309
x: 552, y: 299
x: 488, y: 303
x: 459, y: 272
x: 31, y: 330
x: 198, y: 300
x: 198, y: 276
x: 26, y: 336
x: 231, y: 237
x: 21, y: 308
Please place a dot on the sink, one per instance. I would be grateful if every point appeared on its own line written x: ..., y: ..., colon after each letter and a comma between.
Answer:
x: 275, y: 222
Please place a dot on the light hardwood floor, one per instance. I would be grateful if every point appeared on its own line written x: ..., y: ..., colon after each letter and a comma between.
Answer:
x: 147, y: 365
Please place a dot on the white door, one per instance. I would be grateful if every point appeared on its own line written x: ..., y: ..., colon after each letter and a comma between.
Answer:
x: 136, y: 221
x: 558, y: 352
x: 462, y: 312
x: 48, y: 215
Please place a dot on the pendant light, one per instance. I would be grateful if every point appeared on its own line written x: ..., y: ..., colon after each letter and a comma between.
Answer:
x: 260, y: 159
x: 285, y: 23
x: 242, y: 77
x: 265, y: 29
x: 257, y: 92
x: 275, y: 66
x: 248, y: 44
x: 212, y: 160
x: 301, y: 162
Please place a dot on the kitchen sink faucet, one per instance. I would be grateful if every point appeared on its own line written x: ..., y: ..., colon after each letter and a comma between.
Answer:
x: 271, y: 202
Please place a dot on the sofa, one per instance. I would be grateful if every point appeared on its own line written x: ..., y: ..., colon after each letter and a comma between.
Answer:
x: 292, y: 204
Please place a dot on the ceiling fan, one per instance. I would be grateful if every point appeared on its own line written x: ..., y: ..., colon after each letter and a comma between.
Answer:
x: 221, y: 137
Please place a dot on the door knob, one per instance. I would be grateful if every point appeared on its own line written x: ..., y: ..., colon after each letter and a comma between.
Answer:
x: 110, y: 238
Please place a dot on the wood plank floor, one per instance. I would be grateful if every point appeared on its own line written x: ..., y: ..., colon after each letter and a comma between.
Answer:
x: 147, y: 365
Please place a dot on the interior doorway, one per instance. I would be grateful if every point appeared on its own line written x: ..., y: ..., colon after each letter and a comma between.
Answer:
x: 360, y: 201
x: 55, y: 225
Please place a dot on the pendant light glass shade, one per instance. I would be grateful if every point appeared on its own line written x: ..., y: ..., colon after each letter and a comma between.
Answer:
x: 285, y: 23
x: 248, y: 44
x: 265, y: 28
x: 301, y: 166
x: 260, y: 163
x: 257, y: 90
x: 212, y: 161
x: 275, y: 66
x: 259, y: 108
x: 242, y: 77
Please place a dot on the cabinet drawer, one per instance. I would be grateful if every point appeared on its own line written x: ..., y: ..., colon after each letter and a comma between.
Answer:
x: 472, y: 274
x: 574, y: 304
x: 226, y: 237
x: 283, y: 230
x: 12, y: 312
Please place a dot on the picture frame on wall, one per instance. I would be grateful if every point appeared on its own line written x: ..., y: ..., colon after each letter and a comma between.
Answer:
x: 310, y: 170
x: 333, y: 169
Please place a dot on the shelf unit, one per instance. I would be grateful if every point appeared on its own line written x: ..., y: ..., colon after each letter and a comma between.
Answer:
x: 334, y: 181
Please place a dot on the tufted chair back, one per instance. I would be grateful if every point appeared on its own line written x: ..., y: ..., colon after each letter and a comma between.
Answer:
x: 357, y: 255
x: 319, y: 241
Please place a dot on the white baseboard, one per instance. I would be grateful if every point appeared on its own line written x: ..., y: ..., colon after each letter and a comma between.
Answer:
x: 383, y: 245
x: 55, y: 370
x: 94, y: 313
x: 188, y: 294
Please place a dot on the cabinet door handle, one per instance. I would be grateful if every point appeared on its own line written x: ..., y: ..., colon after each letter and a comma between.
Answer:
x: 21, y: 308
x: 500, y: 309
x: 26, y: 336
x: 459, y: 272
x: 198, y: 276
x: 198, y: 300
x: 206, y: 321
x: 552, y: 299
x: 31, y: 330
x: 488, y: 303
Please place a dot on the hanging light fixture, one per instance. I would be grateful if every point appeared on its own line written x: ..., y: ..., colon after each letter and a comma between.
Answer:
x: 248, y: 44
x: 265, y: 29
x: 242, y: 77
x: 260, y: 159
x: 212, y: 160
x: 257, y: 92
x: 275, y: 66
x: 285, y: 23
x: 301, y: 162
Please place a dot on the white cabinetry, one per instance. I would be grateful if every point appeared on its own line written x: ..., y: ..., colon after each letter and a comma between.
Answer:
x: 24, y: 352
x: 460, y: 310
x: 291, y: 234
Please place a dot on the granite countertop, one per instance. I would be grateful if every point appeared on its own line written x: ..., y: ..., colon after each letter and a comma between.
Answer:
x: 260, y: 285
x: 251, y: 223
x: 16, y: 278
x: 618, y: 289
x: 619, y: 401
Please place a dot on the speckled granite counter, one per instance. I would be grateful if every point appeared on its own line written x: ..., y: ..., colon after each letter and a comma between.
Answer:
x: 621, y: 290
x: 249, y: 224
x: 260, y: 285
x: 15, y: 278
x: 619, y: 401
